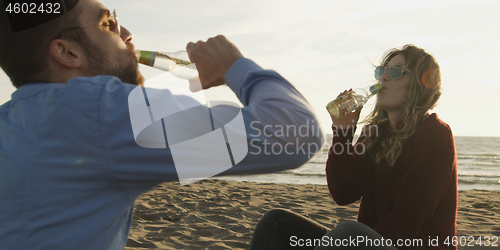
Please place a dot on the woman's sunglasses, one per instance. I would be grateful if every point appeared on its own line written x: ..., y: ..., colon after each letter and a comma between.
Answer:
x: 395, y: 71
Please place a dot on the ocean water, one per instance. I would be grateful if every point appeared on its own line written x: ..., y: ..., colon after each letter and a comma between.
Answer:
x: 478, y: 166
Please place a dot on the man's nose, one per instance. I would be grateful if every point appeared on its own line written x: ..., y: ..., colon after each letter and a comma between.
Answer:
x: 125, y: 34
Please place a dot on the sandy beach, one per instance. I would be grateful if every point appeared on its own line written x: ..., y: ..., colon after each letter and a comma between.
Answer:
x: 215, y: 214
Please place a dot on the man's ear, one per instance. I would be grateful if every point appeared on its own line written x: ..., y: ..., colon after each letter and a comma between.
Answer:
x: 66, y: 53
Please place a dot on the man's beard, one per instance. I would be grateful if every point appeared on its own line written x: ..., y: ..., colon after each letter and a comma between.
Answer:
x: 99, y: 64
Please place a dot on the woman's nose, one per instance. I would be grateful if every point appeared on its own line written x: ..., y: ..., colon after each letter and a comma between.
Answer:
x: 385, y: 76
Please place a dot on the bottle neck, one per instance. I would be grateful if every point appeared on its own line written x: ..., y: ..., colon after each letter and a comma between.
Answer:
x: 374, y: 89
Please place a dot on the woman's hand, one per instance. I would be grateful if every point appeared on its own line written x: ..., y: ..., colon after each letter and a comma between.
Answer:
x: 348, y: 120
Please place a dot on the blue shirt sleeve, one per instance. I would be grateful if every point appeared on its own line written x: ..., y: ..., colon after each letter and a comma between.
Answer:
x: 281, y: 129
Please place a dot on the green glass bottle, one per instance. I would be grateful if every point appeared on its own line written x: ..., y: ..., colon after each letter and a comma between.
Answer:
x: 352, y: 100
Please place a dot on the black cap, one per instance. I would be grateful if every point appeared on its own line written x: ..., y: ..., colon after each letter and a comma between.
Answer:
x: 26, y: 14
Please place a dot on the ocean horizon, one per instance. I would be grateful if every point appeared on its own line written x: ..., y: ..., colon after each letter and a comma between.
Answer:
x: 478, y: 161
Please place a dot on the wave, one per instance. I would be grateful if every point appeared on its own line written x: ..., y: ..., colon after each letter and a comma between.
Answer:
x: 318, y: 162
x: 485, y: 179
x: 486, y: 164
x: 307, y: 174
x: 476, y: 181
x: 479, y: 175
x: 480, y: 157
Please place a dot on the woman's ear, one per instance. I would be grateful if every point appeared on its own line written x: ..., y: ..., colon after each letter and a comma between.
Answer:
x: 66, y: 53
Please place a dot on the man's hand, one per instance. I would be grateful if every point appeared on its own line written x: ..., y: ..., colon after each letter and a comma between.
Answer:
x: 213, y: 59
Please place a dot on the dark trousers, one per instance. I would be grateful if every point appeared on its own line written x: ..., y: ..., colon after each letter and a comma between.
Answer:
x: 281, y: 229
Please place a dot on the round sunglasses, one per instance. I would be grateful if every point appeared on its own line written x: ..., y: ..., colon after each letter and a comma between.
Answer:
x: 395, y: 71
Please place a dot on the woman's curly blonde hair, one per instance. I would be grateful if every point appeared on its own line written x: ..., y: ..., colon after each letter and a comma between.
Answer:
x: 424, y: 91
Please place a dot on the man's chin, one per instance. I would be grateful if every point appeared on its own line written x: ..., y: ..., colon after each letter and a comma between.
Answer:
x: 132, y: 75
x: 138, y: 80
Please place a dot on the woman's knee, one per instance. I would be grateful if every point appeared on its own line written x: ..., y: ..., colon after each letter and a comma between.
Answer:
x: 353, y: 229
x: 352, y: 226
x: 275, y: 214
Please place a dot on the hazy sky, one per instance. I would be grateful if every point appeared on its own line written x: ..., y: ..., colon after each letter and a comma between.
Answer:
x: 326, y: 46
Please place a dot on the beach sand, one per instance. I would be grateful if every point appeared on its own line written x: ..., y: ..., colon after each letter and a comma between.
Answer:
x: 215, y: 214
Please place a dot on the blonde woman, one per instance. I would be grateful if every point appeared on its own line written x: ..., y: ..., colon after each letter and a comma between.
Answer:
x: 403, y: 168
